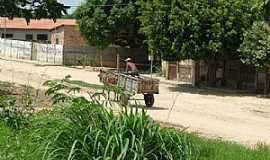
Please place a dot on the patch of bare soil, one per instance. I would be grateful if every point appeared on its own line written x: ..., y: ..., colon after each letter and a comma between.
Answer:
x: 22, y: 92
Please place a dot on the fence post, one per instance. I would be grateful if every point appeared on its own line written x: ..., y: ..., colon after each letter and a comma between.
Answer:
x: 54, y: 53
x: 47, y: 59
x: 17, y: 50
x: 10, y: 49
x: 118, y: 60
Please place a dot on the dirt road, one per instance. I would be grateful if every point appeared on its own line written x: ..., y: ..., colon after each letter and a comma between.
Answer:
x: 240, y: 118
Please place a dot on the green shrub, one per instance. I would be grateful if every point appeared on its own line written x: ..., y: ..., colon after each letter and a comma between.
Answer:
x: 11, y: 114
x: 16, y: 114
x: 92, y: 132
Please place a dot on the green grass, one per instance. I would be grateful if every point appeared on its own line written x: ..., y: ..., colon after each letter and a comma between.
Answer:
x: 220, y: 150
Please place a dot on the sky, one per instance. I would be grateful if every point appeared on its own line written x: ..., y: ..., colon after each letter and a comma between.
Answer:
x: 71, y: 3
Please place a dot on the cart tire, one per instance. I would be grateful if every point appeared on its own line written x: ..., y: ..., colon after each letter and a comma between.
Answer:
x: 149, y: 100
x: 124, y: 100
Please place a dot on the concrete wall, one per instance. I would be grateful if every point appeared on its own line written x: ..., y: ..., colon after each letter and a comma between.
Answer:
x: 45, y: 53
x: 19, y: 34
x: 15, y: 49
x: 72, y: 54
x: 88, y: 55
x: 49, y: 53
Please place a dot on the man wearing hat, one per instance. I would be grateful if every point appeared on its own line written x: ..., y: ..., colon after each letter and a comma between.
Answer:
x: 131, y: 67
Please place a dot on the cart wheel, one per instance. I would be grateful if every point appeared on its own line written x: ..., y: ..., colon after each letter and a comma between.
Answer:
x: 124, y: 99
x: 149, y: 100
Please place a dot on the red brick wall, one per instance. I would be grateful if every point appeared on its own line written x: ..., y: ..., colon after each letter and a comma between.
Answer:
x: 73, y: 37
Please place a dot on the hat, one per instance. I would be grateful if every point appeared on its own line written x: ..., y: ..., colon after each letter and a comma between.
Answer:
x: 128, y: 59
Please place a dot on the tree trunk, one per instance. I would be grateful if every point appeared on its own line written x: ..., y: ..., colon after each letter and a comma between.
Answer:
x: 223, y: 83
x: 177, y: 71
x: 100, y: 58
x: 198, y: 73
x: 256, y: 82
x: 212, y: 72
x: 117, y: 60
x: 195, y: 73
x: 84, y: 60
x: 266, y: 83
x: 239, y: 79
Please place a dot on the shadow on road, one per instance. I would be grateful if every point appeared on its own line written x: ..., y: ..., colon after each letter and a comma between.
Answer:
x: 222, y: 92
x: 146, y: 108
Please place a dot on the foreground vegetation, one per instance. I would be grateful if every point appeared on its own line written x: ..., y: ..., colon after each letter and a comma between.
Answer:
x: 81, y: 129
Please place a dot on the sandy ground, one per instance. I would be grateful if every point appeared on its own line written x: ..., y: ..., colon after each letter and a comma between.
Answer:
x: 241, y: 118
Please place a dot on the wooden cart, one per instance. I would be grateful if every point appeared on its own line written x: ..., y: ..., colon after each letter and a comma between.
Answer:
x: 133, y: 85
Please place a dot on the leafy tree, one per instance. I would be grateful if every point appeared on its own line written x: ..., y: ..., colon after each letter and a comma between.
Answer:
x: 196, y: 29
x: 255, y: 49
x: 266, y: 6
x: 32, y: 9
x: 155, y: 23
x: 105, y: 22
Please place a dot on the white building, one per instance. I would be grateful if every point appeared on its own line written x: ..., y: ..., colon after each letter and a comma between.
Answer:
x: 42, y: 30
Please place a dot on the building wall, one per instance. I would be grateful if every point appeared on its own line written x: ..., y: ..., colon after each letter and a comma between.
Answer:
x: 230, y: 74
x: 67, y: 36
x: 57, y: 36
x: 183, y: 71
x: 19, y: 34
x: 78, y: 52
x: 73, y: 37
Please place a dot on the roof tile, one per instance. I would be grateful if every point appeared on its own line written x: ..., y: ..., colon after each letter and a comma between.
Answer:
x: 42, y: 24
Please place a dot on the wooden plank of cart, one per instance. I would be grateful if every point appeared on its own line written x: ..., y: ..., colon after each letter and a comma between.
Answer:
x: 132, y: 86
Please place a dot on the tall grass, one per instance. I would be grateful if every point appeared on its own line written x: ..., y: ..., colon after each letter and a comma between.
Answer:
x: 92, y: 132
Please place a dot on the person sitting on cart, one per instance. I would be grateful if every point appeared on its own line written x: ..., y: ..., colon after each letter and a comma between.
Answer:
x: 131, y: 68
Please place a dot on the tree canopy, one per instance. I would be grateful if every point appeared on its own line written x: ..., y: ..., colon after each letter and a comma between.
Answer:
x: 174, y: 29
x: 183, y: 29
x: 32, y: 9
x: 105, y: 22
x: 255, y: 49
x: 266, y: 7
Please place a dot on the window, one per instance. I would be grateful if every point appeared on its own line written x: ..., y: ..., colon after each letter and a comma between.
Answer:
x: 28, y: 37
x: 42, y: 37
x: 8, y: 36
